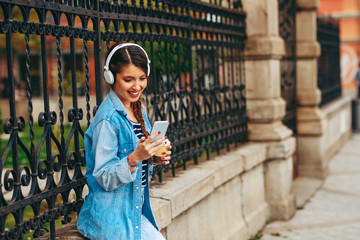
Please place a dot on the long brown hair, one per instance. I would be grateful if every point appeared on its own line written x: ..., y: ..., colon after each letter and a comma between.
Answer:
x: 137, y: 109
x: 130, y: 55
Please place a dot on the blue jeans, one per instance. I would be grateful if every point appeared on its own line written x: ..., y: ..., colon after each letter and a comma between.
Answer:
x: 148, y: 231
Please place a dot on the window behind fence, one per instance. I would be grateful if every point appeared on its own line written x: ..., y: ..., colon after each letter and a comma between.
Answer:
x: 51, y: 52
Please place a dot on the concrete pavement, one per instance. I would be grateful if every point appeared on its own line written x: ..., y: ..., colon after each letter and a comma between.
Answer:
x: 329, y: 209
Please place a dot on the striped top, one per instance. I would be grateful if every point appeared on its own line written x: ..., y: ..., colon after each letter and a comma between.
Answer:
x: 138, y: 132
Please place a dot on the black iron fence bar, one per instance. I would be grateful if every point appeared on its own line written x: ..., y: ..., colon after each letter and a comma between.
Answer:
x: 329, y: 81
x: 287, y: 30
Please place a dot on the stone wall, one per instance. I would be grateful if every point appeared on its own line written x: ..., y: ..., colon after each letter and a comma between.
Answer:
x: 314, y: 152
x: 226, y: 197
x: 321, y: 130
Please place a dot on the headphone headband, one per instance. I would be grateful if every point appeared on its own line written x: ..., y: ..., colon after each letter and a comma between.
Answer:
x: 107, y: 73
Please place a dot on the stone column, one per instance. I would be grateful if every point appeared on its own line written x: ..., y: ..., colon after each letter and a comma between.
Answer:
x: 265, y: 108
x: 310, y: 120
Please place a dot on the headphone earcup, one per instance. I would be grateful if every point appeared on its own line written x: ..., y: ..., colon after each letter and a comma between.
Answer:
x: 109, y: 78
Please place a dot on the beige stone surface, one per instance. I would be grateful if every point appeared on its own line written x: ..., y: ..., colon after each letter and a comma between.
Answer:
x: 310, y: 128
x: 194, y: 224
x: 304, y: 188
x: 208, y: 202
x: 274, y: 131
x: 306, y: 74
x: 331, y: 209
x: 332, y: 129
x: 228, y: 211
x: 265, y: 110
x: 220, y: 165
x: 311, y: 156
x: 309, y: 113
x: 306, y: 31
x: 218, y: 216
x: 262, y: 79
x: 264, y: 47
x: 261, y: 17
x: 201, y: 181
x: 310, y: 121
x: 162, y: 211
x: 307, y: 49
x: 338, y: 124
x: 308, y: 4
x: 280, y: 149
x: 253, y: 155
x: 255, y: 207
x: 279, y: 188
x: 195, y: 182
x: 308, y: 97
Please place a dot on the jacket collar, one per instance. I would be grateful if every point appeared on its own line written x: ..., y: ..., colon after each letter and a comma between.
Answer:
x: 119, y: 106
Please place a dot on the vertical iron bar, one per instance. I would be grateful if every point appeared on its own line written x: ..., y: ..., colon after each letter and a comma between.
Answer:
x: 167, y: 66
x: 47, y: 126
x: 97, y: 57
x: 153, y: 72
x: 12, y: 108
x: 74, y: 96
x: 61, y: 114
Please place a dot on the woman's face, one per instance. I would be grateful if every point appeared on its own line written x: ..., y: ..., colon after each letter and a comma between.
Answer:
x: 129, y: 84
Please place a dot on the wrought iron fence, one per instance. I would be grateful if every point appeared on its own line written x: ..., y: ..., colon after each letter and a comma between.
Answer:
x: 329, y: 81
x: 196, y: 50
x: 287, y: 29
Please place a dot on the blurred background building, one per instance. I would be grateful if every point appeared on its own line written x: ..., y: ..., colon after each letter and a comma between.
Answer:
x: 348, y: 14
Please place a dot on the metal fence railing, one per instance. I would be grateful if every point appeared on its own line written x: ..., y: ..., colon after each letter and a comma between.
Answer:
x: 287, y: 30
x: 50, y: 53
x: 329, y: 81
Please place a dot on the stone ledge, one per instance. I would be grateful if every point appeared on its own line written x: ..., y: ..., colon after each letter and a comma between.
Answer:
x: 310, y: 121
x: 265, y: 110
x: 264, y: 47
x: 66, y: 232
x: 162, y: 211
x: 201, y: 181
x: 280, y: 150
x: 308, y: 49
x: 307, y: 4
x: 275, y: 131
x: 334, y: 106
x: 308, y: 97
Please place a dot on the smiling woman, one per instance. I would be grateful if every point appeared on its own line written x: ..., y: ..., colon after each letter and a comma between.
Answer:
x: 118, y: 148
x: 129, y: 85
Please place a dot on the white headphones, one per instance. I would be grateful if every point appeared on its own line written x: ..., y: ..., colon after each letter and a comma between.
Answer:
x: 109, y: 77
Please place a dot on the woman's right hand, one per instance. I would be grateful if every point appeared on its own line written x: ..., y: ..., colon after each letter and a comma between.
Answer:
x: 146, y: 149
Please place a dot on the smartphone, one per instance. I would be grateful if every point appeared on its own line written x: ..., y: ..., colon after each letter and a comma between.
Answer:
x: 159, y: 126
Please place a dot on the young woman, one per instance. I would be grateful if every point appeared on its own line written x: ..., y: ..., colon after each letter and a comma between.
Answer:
x: 118, y: 149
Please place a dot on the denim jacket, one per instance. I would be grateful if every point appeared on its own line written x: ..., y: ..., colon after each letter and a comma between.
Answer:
x: 112, y: 209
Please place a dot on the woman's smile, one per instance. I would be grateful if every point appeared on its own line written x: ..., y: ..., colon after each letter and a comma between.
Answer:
x: 129, y: 84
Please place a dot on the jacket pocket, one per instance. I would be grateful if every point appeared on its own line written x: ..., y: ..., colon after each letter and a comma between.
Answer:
x: 125, y: 149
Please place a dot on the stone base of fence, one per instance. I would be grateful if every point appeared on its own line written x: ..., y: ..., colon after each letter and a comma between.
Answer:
x: 65, y: 232
x: 324, y: 139
x: 222, y: 198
